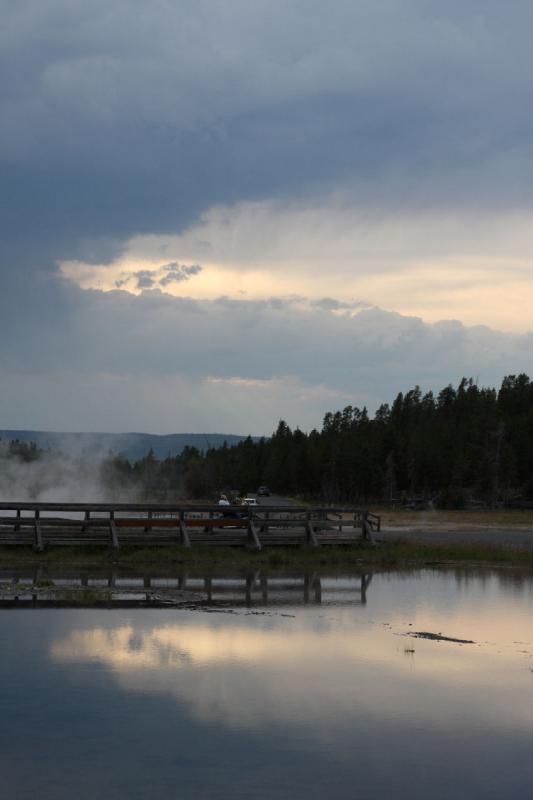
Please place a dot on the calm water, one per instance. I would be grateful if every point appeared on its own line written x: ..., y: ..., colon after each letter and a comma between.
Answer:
x: 288, y: 700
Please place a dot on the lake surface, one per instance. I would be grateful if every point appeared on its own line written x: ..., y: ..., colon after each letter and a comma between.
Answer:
x: 320, y: 693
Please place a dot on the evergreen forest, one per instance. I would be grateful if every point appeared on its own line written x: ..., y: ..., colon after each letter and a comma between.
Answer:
x: 466, y: 446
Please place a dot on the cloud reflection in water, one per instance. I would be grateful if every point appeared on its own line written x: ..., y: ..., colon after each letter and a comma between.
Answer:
x: 256, y: 671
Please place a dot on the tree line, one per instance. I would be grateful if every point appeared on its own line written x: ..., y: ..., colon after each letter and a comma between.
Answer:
x: 466, y: 445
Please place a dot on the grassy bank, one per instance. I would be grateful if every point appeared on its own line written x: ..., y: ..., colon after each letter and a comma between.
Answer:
x: 169, y: 560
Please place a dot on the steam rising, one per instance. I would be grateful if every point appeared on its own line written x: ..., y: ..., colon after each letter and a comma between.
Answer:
x: 28, y: 474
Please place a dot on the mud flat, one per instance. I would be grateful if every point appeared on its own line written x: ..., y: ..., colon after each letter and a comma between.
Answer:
x: 493, y: 529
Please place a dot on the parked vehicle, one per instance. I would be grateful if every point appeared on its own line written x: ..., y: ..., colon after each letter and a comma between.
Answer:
x: 263, y: 491
x: 250, y: 501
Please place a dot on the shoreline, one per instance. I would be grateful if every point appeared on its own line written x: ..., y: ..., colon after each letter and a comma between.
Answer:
x: 410, y: 548
x: 157, y: 579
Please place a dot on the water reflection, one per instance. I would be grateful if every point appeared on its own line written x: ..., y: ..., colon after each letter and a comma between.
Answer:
x: 310, y: 651
x: 290, y: 699
x: 253, y: 589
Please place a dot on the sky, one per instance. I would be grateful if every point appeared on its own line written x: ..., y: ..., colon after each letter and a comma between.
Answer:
x: 219, y: 213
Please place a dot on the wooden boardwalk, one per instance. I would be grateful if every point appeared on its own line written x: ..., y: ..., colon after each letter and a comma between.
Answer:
x: 115, y: 525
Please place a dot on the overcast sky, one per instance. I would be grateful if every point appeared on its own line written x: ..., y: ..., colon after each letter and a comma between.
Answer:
x: 218, y: 213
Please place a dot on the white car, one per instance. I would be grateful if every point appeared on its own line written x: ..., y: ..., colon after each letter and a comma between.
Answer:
x: 250, y: 501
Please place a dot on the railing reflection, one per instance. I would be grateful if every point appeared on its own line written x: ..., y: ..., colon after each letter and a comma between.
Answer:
x: 257, y: 589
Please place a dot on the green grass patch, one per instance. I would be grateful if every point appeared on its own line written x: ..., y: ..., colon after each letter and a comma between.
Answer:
x: 170, y: 559
x: 412, y: 551
x: 83, y: 597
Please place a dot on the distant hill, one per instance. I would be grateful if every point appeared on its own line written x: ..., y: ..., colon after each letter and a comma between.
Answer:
x: 131, y: 445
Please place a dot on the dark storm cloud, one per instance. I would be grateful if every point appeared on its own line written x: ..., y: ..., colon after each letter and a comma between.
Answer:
x: 144, y: 278
x: 135, y: 351
x: 176, y: 273
x: 163, y: 276
x: 156, y: 334
x: 122, y: 117
x: 119, y: 117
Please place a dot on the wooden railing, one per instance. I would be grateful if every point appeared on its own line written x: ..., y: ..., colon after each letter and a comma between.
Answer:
x: 89, y: 523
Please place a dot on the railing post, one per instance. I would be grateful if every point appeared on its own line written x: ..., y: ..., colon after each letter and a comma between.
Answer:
x: 249, y: 583
x: 364, y: 586
x: 366, y: 528
x: 310, y: 531
x: 38, y: 533
x: 252, y: 533
x: 184, y: 535
x: 148, y: 528
x: 113, y: 531
x: 86, y: 519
